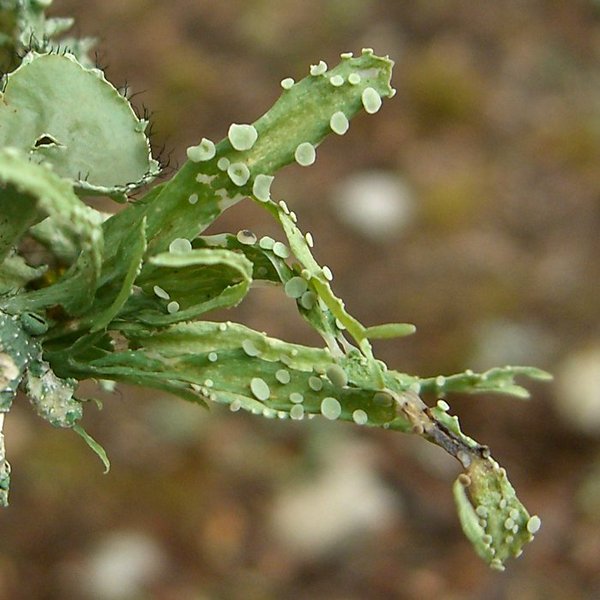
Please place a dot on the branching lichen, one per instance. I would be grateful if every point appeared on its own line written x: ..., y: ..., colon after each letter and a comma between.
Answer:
x: 129, y: 300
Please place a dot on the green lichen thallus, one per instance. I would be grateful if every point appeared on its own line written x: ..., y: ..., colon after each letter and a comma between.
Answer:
x: 131, y: 303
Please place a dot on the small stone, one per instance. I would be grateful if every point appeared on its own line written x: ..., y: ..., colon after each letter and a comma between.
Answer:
x: 376, y: 204
x: 578, y: 381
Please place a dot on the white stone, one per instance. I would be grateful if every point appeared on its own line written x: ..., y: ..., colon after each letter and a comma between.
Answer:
x: 376, y: 204
x: 344, y: 501
x: 122, y: 566
x: 577, y: 390
x: 507, y: 342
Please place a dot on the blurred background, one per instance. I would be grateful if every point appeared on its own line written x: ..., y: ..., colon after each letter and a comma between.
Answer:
x: 469, y: 205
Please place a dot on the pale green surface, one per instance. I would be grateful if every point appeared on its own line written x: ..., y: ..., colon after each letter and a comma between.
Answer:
x: 83, y: 127
x: 55, y: 198
x: 116, y: 327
